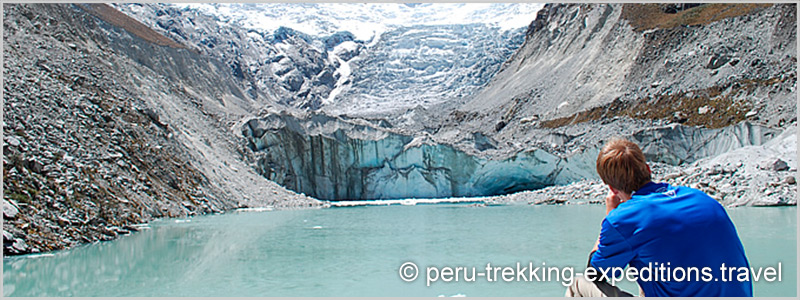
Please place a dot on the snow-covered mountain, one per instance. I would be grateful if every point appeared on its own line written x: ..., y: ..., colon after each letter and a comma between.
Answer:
x: 349, y: 58
x: 366, y: 20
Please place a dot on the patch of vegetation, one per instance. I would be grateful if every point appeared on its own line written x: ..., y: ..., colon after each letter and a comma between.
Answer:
x: 31, y: 191
x: 712, y: 107
x: 649, y: 16
x: 20, y: 198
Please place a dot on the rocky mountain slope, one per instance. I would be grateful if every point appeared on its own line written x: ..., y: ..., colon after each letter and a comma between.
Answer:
x: 104, y: 129
x: 587, y: 62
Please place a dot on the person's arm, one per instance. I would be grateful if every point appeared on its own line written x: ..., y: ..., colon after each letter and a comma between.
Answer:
x: 610, y: 244
x: 612, y: 201
x: 613, y: 249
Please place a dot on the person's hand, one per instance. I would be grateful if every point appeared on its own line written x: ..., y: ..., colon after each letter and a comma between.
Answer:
x: 612, y: 201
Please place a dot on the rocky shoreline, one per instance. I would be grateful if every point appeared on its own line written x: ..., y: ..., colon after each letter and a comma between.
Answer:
x: 750, y: 176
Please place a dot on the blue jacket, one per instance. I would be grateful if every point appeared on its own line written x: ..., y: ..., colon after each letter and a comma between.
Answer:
x: 676, y: 230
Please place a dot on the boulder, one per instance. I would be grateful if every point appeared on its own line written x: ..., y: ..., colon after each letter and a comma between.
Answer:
x: 499, y: 126
x: 20, y: 245
x: 13, y: 141
x: 7, y: 237
x: 705, y: 109
x: 10, y: 209
x: 776, y: 165
x: 679, y: 117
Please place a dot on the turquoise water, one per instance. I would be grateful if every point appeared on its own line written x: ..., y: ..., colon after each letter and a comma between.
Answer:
x: 357, y: 251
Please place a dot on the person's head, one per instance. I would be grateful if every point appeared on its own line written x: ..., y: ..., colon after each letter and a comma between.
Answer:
x: 621, y: 165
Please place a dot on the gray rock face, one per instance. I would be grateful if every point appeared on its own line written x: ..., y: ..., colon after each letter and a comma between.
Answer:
x: 103, y: 129
x: 580, y: 57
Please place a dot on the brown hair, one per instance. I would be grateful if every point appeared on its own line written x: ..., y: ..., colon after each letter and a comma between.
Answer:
x: 621, y: 165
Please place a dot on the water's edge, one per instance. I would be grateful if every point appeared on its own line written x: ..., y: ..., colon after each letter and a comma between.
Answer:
x: 354, y: 251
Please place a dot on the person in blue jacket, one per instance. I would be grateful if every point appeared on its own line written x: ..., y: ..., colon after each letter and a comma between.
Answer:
x: 675, y: 241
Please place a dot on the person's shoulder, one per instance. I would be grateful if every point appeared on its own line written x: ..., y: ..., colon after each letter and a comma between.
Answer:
x: 671, y: 191
x: 700, y: 200
x: 626, y: 210
x: 646, y: 201
x: 693, y: 192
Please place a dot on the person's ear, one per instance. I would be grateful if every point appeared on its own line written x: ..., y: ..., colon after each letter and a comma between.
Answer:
x: 648, y: 169
x: 613, y: 190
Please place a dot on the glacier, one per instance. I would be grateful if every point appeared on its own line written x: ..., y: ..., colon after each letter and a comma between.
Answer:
x: 332, y: 158
x: 424, y: 65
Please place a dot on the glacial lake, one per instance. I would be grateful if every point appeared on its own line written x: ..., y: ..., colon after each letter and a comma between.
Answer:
x: 358, y: 251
